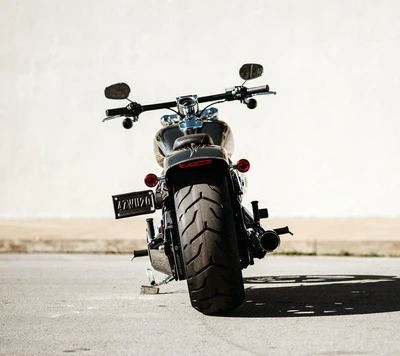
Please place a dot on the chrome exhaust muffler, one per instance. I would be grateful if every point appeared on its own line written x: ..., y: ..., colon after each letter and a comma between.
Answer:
x: 158, y: 258
x: 155, y: 245
x: 269, y: 240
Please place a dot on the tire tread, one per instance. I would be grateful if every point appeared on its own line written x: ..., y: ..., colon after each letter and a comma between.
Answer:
x: 209, y: 250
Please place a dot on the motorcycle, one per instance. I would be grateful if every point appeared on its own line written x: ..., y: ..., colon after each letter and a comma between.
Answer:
x: 205, y: 235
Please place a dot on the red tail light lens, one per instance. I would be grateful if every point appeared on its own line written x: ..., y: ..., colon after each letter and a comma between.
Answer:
x: 201, y: 162
x: 243, y: 165
x: 151, y: 180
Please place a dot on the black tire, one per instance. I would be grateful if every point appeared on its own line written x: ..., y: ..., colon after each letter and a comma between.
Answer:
x: 209, y: 246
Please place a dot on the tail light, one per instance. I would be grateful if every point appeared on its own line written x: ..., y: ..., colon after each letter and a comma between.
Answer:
x: 151, y: 180
x: 243, y: 165
x: 201, y: 162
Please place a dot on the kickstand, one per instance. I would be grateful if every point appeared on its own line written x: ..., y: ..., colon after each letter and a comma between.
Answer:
x: 152, y: 280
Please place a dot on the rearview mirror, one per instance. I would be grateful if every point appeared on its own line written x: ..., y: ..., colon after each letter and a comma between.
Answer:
x: 117, y: 91
x: 251, y: 71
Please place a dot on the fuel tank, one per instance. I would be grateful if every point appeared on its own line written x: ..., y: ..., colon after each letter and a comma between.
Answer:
x: 219, y: 131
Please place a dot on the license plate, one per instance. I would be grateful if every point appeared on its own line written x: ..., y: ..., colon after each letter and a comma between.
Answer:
x: 133, y: 204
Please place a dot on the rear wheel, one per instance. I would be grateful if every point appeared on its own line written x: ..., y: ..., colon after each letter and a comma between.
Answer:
x: 209, y: 246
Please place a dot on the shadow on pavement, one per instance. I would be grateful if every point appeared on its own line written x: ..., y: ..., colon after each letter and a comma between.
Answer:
x: 308, y: 296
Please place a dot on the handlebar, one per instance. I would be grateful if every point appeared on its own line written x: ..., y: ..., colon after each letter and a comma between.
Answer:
x: 118, y: 112
x: 237, y: 93
x: 258, y: 90
x: 216, y: 97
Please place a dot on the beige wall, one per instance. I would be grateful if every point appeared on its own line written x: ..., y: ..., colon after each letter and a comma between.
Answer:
x: 327, y: 145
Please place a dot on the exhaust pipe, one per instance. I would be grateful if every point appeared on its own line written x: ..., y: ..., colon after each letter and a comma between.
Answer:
x: 158, y: 258
x: 269, y: 240
x: 156, y: 250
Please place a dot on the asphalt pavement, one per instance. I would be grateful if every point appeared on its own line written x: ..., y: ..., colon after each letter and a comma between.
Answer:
x: 58, y: 304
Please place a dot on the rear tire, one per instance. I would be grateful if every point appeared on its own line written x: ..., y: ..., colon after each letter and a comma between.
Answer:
x: 209, y: 246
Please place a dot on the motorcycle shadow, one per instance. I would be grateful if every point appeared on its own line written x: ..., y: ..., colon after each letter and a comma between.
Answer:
x: 308, y: 296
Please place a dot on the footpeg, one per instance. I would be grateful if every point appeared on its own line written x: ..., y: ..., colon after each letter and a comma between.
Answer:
x: 139, y: 253
x: 283, y: 231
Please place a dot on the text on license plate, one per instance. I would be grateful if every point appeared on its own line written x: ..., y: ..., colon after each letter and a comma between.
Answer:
x: 133, y: 204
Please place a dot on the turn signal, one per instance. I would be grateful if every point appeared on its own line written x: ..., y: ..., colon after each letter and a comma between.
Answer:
x: 243, y: 165
x: 151, y: 180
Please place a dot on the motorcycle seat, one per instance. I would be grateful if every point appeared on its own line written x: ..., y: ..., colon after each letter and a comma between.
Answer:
x: 196, y: 139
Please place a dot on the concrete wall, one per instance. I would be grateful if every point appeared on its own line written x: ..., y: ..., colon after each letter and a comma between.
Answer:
x: 327, y: 145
